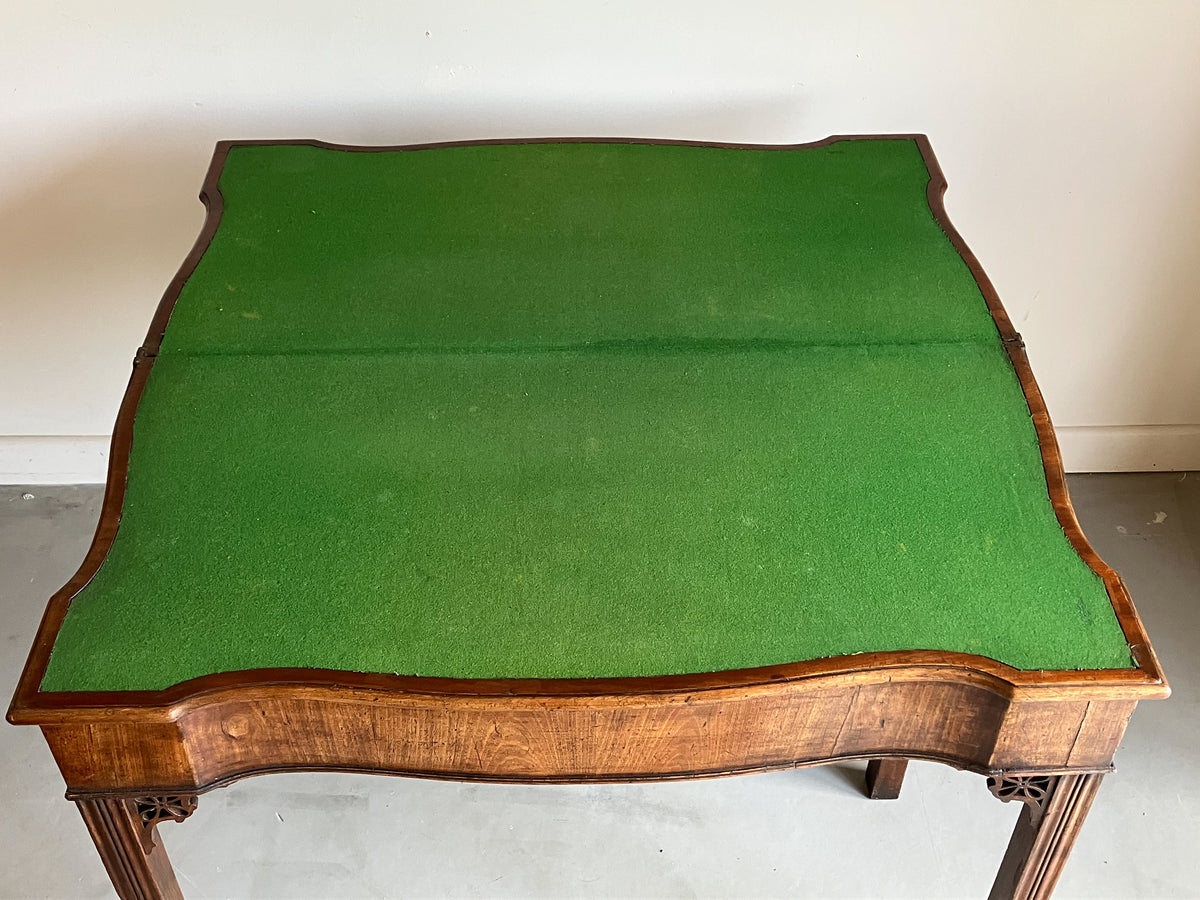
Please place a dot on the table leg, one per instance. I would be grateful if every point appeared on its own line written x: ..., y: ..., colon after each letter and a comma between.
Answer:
x: 885, y: 777
x: 1055, y: 807
x: 124, y: 830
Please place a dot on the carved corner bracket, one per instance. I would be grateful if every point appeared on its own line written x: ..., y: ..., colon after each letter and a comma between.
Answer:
x: 152, y: 810
x: 1032, y: 790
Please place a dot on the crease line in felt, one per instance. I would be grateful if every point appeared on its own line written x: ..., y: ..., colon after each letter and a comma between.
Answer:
x: 615, y: 346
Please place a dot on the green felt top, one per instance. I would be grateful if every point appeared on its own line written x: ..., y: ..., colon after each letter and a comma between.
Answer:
x: 570, y: 410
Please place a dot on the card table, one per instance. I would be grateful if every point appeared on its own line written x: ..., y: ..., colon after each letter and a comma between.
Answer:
x: 582, y: 460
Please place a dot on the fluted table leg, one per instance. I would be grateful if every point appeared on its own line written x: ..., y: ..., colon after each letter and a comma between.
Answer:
x: 124, y: 830
x: 1055, y: 807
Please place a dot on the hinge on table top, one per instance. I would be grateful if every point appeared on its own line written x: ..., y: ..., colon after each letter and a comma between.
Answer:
x: 1015, y: 339
x: 143, y: 354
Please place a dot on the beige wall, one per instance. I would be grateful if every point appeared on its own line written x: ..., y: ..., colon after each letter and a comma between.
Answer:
x: 1069, y: 132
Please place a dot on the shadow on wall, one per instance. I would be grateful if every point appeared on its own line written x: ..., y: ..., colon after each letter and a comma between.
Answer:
x: 114, y: 211
x: 87, y: 251
x: 85, y: 254
x: 128, y: 202
x: 1160, y: 327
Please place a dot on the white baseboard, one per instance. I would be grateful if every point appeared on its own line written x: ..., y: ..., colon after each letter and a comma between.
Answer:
x: 54, y: 458
x: 83, y: 459
x: 1130, y: 448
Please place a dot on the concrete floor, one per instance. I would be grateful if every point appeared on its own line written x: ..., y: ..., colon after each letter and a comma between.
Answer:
x: 806, y: 833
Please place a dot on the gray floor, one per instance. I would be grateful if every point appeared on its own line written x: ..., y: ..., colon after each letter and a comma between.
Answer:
x: 800, y: 834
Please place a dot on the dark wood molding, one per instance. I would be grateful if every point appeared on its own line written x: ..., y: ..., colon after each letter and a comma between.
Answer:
x: 1098, y: 684
x: 28, y: 688
x: 1056, y: 479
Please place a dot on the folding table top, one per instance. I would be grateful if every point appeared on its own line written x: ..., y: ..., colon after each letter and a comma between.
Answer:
x: 575, y: 409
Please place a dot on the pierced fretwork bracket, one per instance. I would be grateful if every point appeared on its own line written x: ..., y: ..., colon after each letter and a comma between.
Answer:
x: 1032, y: 790
x: 176, y: 807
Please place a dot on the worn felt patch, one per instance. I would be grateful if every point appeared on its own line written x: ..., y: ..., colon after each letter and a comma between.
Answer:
x: 621, y: 427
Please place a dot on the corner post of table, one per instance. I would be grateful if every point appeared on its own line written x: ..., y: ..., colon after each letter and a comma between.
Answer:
x: 1054, y: 809
x: 124, y: 830
x: 885, y: 777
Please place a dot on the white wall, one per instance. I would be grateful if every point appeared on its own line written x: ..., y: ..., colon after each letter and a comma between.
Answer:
x: 1069, y: 132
